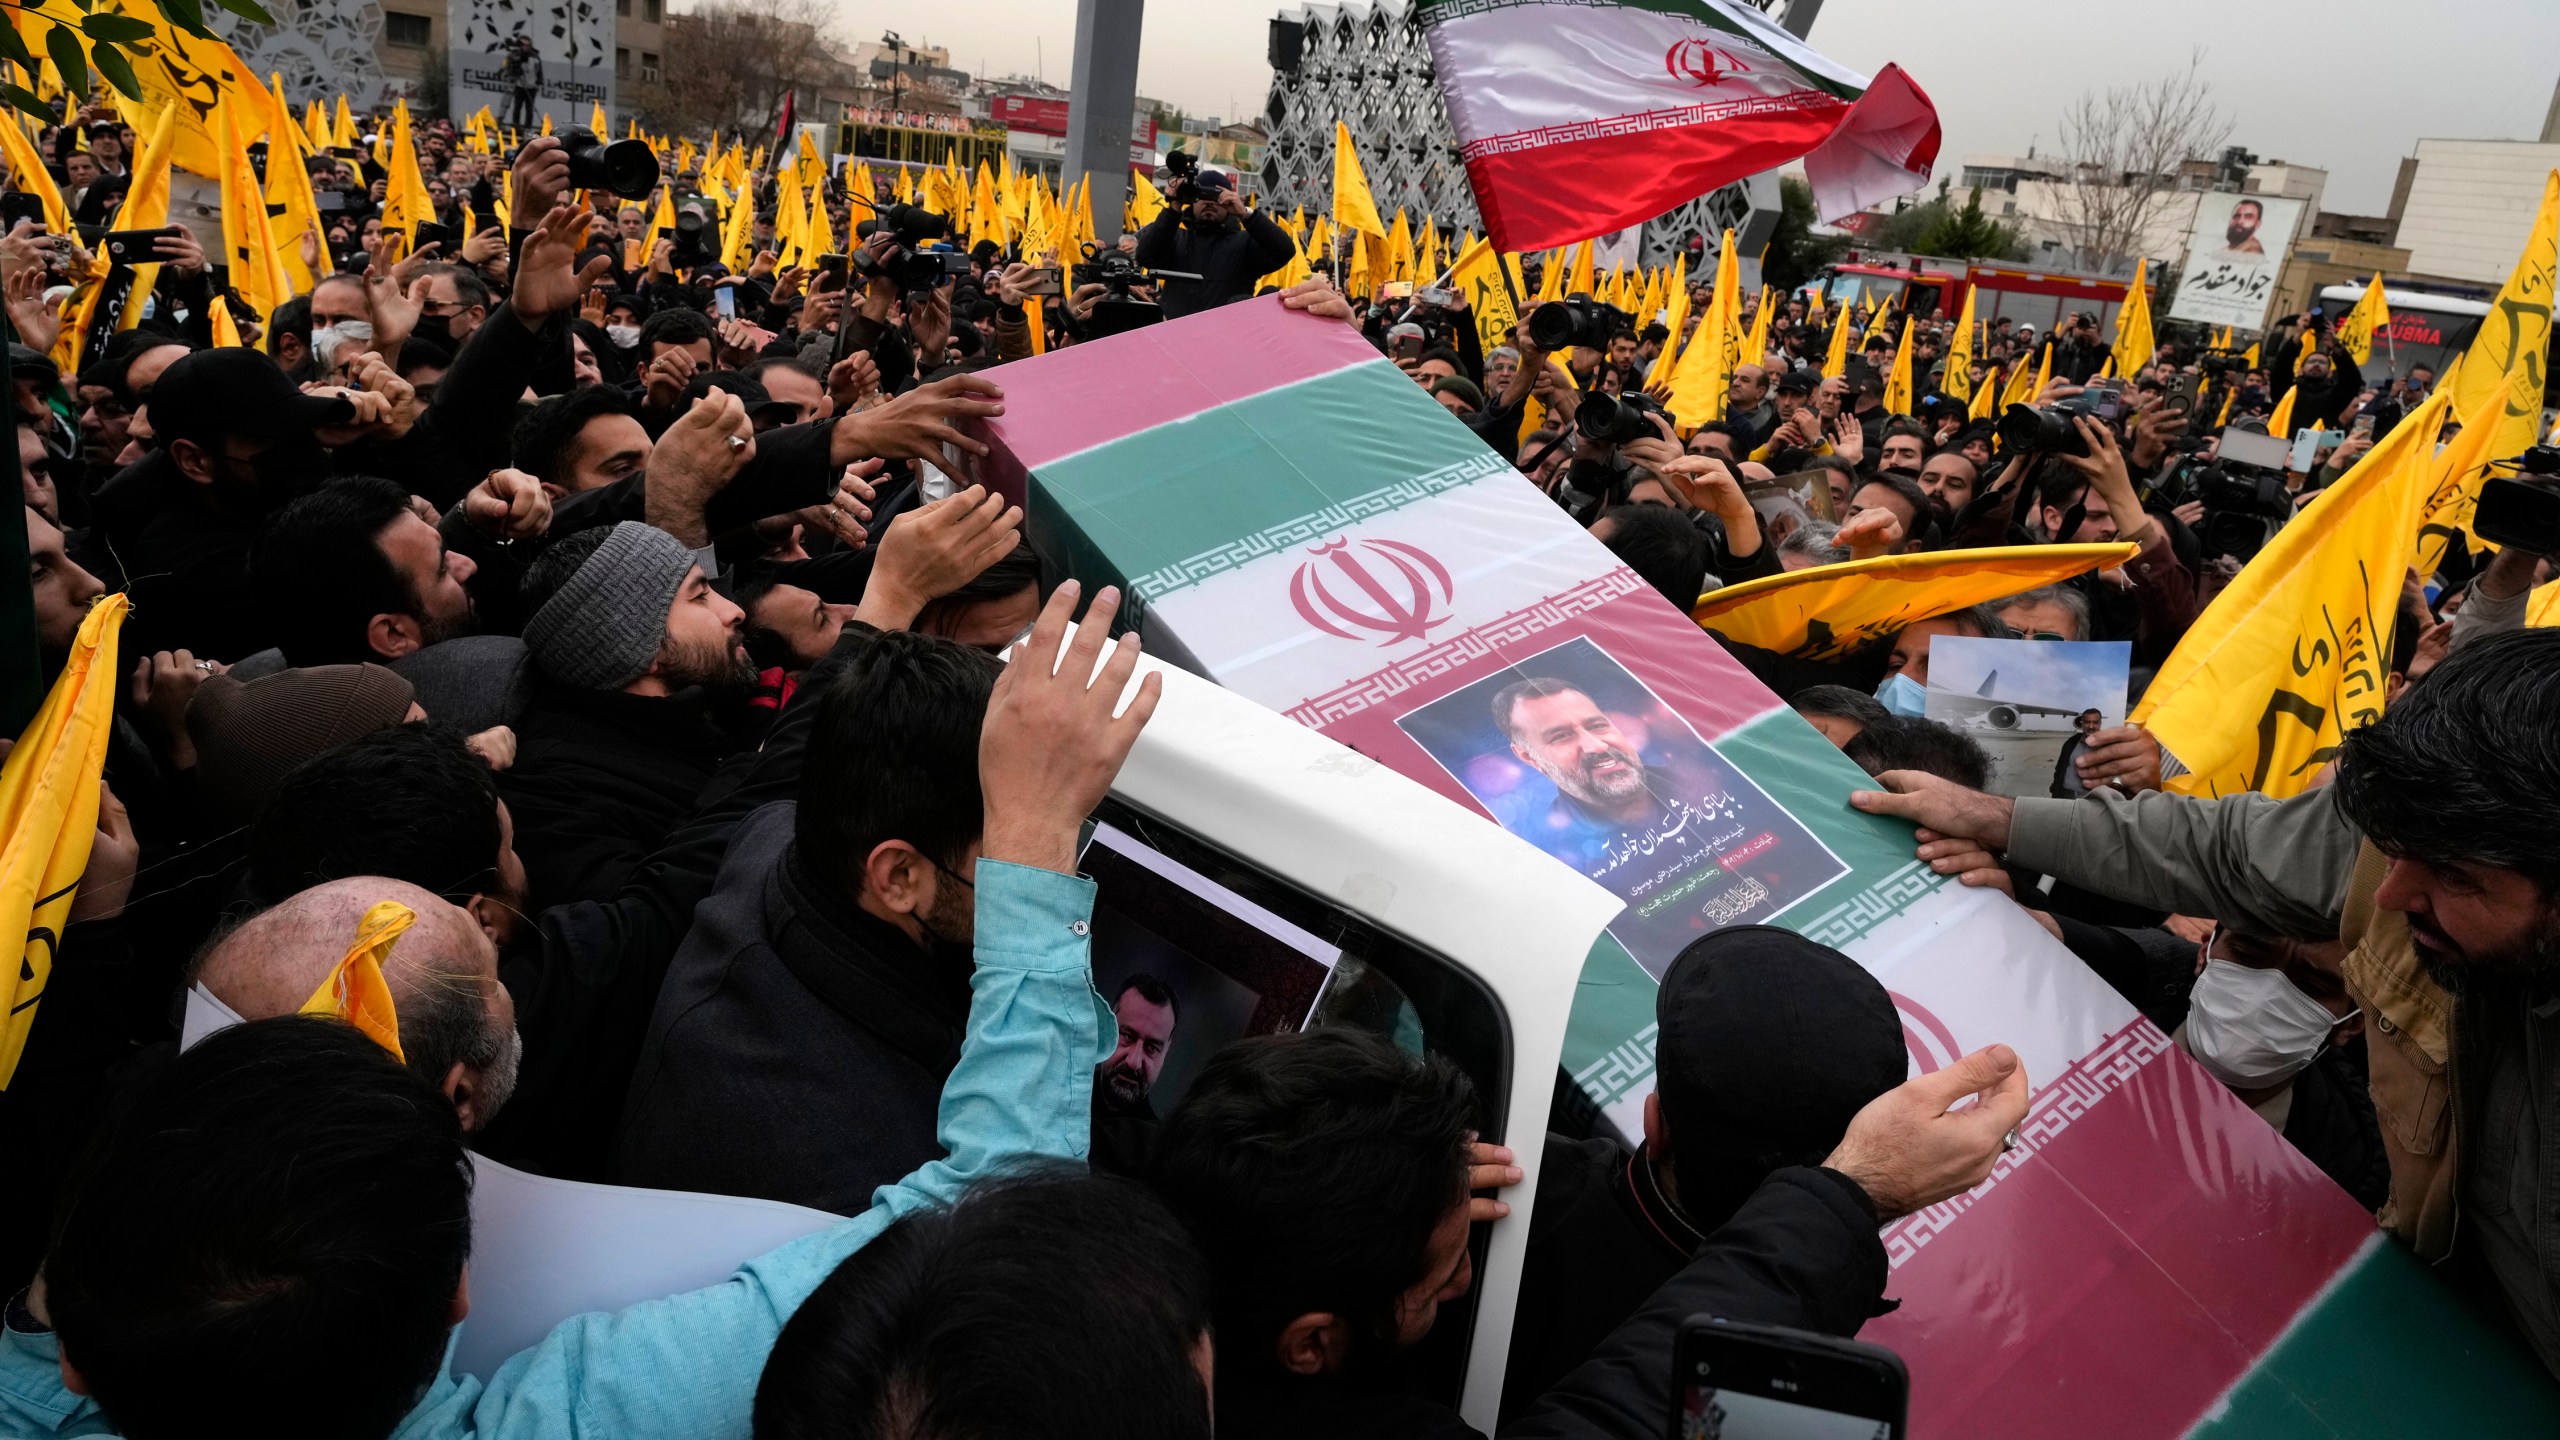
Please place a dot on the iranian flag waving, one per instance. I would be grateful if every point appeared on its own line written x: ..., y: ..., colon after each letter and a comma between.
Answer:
x: 1582, y: 116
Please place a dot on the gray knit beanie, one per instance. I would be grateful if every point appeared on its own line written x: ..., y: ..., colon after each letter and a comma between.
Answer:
x: 601, y: 629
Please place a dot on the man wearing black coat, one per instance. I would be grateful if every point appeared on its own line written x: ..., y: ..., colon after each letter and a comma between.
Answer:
x: 802, y: 1036
x: 1767, y: 1045
x: 1216, y: 238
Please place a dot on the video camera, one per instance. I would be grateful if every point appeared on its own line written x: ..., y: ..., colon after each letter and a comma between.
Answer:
x: 2048, y: 429
x: 628, y: 168
x: 1181, y: 177
x: 1581, y: 321
x: 1119, y: 273
x: 2523, y: 512
x: 1606, y: 419
x: 908, y: 264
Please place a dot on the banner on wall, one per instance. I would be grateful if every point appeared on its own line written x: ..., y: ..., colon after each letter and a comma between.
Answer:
x: 525, y: 61
x: 2234, y: 254
x: 1294, y: 518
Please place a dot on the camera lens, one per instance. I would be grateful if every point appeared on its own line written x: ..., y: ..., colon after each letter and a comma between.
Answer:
x: 630, y: 168
x: 1551, y: 327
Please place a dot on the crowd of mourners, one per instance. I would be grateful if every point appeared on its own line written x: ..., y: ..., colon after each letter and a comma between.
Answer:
x: 619, y: 624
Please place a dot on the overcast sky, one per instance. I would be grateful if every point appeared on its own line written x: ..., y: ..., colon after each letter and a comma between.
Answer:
x: 2347, y: 85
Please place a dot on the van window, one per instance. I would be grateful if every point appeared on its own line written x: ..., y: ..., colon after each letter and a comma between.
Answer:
x: 1246, y: 942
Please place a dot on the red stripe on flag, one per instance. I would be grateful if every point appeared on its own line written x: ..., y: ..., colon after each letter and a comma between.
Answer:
x: 1553, y: 195
x: 2100, y: 1290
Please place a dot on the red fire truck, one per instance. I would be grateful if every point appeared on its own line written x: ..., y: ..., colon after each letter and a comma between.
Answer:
x: 2022, y: 293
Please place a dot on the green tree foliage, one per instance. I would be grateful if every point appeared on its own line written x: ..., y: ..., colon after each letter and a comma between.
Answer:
x: 1794, y: 252
x: 1966, y: 233
x: 78, y: 36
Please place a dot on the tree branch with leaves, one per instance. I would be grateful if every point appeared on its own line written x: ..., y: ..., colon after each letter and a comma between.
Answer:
x: 80, y: 35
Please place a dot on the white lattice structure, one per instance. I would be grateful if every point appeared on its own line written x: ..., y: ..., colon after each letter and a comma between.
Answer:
x: 320, y: 47
x: 1364, y: 63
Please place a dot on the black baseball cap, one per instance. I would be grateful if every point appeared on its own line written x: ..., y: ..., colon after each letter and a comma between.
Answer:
x: 1799, y: 381
x: 1213, y: 182
x: 117, y: 358
x: 233, y: 391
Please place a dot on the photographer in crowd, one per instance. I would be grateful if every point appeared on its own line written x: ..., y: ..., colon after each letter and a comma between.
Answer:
x: 1207, y: 231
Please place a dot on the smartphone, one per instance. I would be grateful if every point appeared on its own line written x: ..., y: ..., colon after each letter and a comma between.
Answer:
x: 330, y: 201
x: 433, y: 234
x: 2107, y: 399
x: 2362, y: 429
x: 134, y: 247
x: 1046, y: 281
x: 2182, y: 401
x: 725, y: 301
x: 1408, y: 347
x: 1767, y: 1382
x: 833, y: 268
x: 17, y: 205
x: 1445, y: 298
x: 1396, y: 290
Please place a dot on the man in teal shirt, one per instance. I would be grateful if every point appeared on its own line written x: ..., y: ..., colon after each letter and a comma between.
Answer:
x: 685, y: 1366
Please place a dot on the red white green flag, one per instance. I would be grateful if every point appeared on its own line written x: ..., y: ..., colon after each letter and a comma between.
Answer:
x: 1576, y: 117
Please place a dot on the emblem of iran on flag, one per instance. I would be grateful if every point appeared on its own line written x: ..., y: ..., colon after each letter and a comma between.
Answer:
x: 1582, y: 116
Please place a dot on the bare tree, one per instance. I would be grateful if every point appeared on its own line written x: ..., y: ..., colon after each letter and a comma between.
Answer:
x: 2121, y: 152
x: 729, y: 63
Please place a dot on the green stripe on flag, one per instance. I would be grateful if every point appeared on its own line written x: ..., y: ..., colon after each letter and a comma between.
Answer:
x: 1176, y: 504
x: 2388, y: 1352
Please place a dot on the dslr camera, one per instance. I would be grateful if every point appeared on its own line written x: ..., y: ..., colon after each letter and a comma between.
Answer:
x: 2523, y: 512
x: 1584, y: 322
x: 2048, y: 429
x: 2243, y: 506
x: 697, y: 237
x: 908, y: 264
x: 1606, y: 419
x: 628, y: 168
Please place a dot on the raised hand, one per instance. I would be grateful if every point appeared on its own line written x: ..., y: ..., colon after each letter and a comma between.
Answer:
x: 1052, y: 742
x: 935, y: 549
x: 1911, y: 1148
x: 916, y: 425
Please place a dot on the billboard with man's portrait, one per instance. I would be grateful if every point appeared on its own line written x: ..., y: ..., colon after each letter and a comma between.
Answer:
x: 2234, y: 254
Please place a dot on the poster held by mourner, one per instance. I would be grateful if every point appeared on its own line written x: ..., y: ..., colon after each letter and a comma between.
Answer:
x: 2233, y: 257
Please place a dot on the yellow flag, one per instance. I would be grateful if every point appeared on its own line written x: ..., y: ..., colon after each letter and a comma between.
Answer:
x: 1898, y: 398
x: 1755, y: 346
x: 1146, y: 202
x: 1835, y: 360
x: 2280, y: 424
x: 1036, y: 313
x: 2509, y: 355
x: 1830, y: 611
x: 546, y: 122
x: 2372, y: 312
x: 193, y: 73
x: 342, y: 127
x: 2249, y: 358
x: 2295, y: 650
x: 1400, y: 248
x: 355, y: 990
x: 1676, y: 297
x: 49, y: 801
x: 738, y: 241
x: 2454, y: 474
x: 248, y: 243
x: 1353, y: 207
x: 1959, y: 376
x: 1704, y: 374
x: 29, y: 174
x: 662, y: 223
x: 405, y: 203
x: 1580, y: 281
x: 600, y: 123
x: 1474, y: 277
x: 2134, y: 345
x: 1986, y: 396
x: 146, y: 207
x: 226, y: 331
x: 1551, y: 278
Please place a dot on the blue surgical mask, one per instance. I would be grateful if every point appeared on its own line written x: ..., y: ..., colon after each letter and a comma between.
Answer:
x: 1902, y: 695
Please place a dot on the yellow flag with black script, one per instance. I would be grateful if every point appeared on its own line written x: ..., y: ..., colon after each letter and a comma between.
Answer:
x: 1474, y: 276
x: 2294, y: 652
x: 1828, y: 611
x: 2361, y: 324
x: 2134, y: 346
x: 49, y: 816
x: 1354, y: 208
x: 2507, y: 358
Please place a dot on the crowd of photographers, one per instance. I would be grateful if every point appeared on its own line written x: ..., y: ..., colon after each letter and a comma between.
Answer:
x: 598, y: 640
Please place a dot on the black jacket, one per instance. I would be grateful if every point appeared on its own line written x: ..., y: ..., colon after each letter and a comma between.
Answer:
x: 1802, y: 1251
x: 799, y: 1045
x: 1228, y: 258
x: 183, y: 555
x: 585, y: 976
x: 601, y: 779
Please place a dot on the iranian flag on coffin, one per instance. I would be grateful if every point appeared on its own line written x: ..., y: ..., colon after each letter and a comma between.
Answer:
x: 1301, y: 523
x: 1579, y: 116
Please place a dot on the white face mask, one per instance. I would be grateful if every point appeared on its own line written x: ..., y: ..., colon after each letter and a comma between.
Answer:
x: 2253, y: 1028
x: 1902, y: 695
x: 624, y: 337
